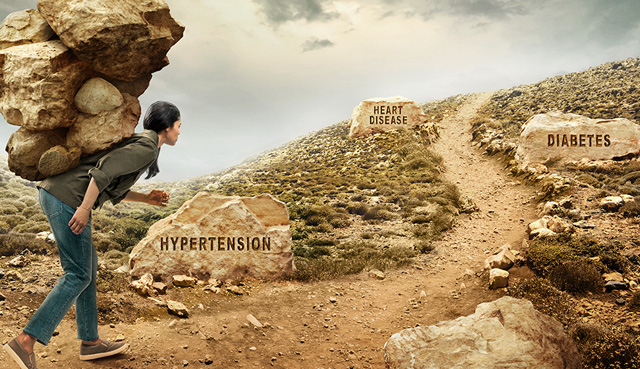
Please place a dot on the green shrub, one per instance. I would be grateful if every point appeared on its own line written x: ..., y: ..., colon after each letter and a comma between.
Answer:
x: 424, y: 246
x: 578, y: 275
x: 634, y: 302
x: 14, y: 244
x: 110, y: 281
x: 631, y: 209
x: 128, y: 232
x: 604, y: 347
x: 358, y: 208
x: 378, y: 213
x: 546, y: 298
x: 546, y: 253
x: 340, y: 220
x: 351, y: 258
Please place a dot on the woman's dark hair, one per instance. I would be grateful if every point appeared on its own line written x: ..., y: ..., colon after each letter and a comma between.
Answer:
x: 160, y: 116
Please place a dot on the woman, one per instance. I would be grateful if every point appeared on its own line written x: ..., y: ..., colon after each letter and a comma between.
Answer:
x: 67, y: 200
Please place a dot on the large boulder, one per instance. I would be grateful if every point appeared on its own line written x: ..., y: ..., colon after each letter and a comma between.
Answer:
x: 506, y: 333
x: 58, y: 159
x: 38, y: 83
x: 557, y: 137
x: 26, y: 147
x: 122, y: 39
x: 384, y: 114
x: 93, y: 133
x: 98, y: 96
x: 222, y: 237
x: 24, y: 27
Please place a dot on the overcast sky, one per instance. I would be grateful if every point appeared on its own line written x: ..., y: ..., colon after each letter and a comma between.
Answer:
x: 251, y: 75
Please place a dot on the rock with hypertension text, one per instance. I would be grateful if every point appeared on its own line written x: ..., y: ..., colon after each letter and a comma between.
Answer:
x: 222, y: 237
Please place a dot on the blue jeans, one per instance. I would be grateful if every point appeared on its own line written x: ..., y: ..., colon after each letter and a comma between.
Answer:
x: 78, y: 283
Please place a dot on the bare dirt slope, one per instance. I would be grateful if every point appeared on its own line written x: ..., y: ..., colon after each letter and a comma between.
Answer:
x: 341, y: 323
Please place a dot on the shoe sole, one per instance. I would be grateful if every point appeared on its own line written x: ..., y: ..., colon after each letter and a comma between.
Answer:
x: 12, y: 354
x: 100, y: 355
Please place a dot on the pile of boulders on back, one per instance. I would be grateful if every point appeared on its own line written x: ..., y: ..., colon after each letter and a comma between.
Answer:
x: 71, y: 73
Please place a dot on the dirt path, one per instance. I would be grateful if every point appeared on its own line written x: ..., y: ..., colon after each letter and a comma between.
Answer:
x: 341, y: 323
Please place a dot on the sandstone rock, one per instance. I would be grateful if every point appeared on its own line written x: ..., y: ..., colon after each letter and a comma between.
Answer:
x: 627, y: 198
x: 220, y: 237
x: 562, y: 137
x: 550, y: 207
x: 377, y: 274
x: 160, y: 287
x: 584, y: 224
x: 43, y: 235
x: 134, y: 88
x: 540, y: 223
x: 98, y: 96
x: 506, y: 333
x: 616, y: 285
x: 19, y: 261
x: 58, y: 159
x: 504, y: 260
x: 24, y: 27
x: 13, y: 275
x: 177, y: 308
x: 235, y: 290
x: 94, y: 133
x: 558, y: 225
x: 615, y: 277
x: 252, y: 319
x: 39, y: 82
x: 142, y: 286
x: 498, y: 278
x: 384, y: 114
x: 25, y: 148
x: 125, y: 40
x: 184, y: 281
x: 541, y: 232
x: 611, y: 203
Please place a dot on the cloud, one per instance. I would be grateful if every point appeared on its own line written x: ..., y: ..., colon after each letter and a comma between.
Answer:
x: 278, y: 12
x: 316, y: 44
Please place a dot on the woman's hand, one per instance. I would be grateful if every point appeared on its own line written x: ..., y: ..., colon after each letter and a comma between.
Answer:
x: 158, y: 198
x: 79, y: 220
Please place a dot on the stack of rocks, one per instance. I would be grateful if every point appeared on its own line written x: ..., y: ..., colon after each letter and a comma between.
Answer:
x: 71, y: 73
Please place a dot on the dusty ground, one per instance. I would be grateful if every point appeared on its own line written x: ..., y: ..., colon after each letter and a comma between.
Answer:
x: 336, y: 324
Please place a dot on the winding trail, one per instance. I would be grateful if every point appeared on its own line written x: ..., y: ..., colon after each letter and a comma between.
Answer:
x: 342, y: 323
x: 505, y: 205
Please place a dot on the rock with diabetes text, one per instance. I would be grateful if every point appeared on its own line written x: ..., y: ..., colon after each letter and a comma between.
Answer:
x: 557, y: 137
x: 385, y: 114
x: 222, y: 237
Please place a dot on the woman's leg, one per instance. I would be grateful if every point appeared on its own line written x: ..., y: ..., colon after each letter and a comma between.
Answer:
x: 86, y: 309
x: 77, y: 260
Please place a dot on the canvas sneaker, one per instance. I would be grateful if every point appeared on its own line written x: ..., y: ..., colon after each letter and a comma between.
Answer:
x: 19, y: 355
x: 103, y: 349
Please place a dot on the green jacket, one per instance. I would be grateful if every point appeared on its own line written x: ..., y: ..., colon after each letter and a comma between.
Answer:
x: 115, y: 170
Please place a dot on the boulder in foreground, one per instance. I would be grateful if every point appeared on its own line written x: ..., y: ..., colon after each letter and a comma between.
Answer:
x: 506, y: 333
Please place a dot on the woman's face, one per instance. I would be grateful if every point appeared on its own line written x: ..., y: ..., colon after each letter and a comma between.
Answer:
x: 173, y: 133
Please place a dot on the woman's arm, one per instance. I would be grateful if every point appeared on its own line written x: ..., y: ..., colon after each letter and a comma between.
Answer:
x: 155, y: 197
x: 81, y: 217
